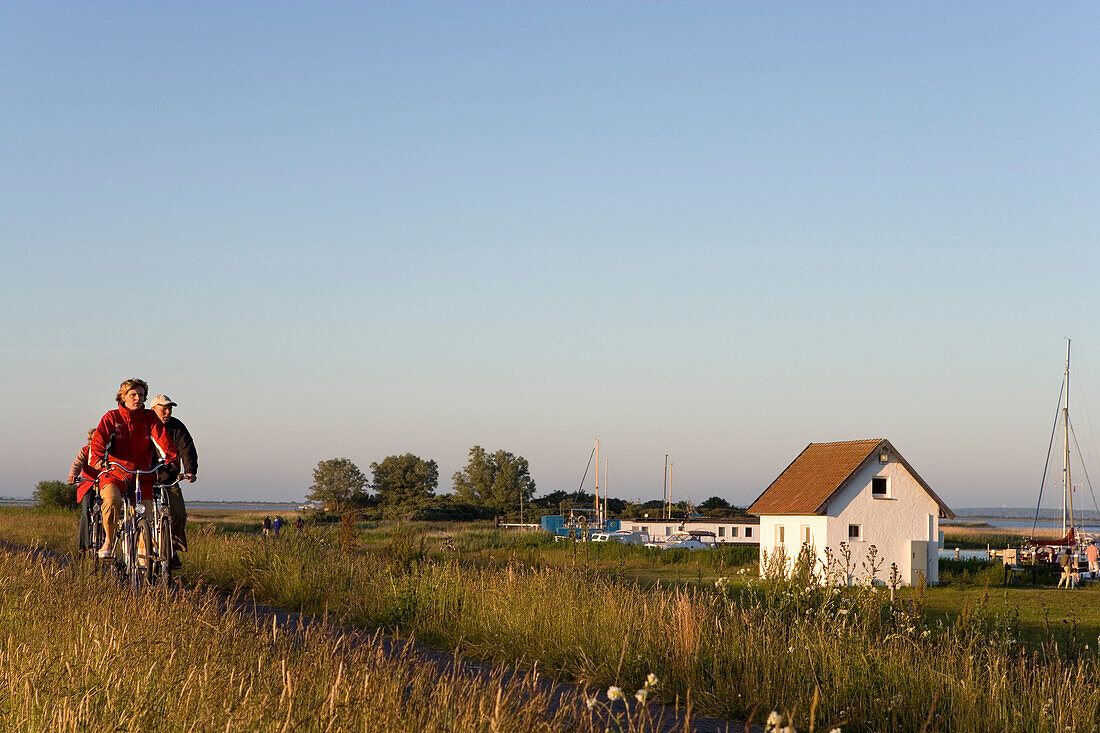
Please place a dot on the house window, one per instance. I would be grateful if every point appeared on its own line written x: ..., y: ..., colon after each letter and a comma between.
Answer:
x: 668, y: 531
x: 748, y: 531
x: 878, y: 487
x: 733, y: 531
x: 645, y: 529
x: 804, y: 533
x: 855, y: 532
x: 780, y: 534
x: 721, y: 531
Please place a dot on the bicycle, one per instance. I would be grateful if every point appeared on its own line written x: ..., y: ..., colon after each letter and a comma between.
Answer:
x: 135, y: 531
x: 161, y: 526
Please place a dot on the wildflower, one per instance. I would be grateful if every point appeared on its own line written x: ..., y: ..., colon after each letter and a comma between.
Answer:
x: 615, y: 693
x: 774, y: 719
x: 651, y: 680
x: 590, y: 701
x: 641, y: 695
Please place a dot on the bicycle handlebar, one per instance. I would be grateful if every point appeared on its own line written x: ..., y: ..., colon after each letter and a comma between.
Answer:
x: 134, y: 471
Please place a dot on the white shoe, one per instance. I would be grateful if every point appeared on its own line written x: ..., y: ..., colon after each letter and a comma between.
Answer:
x: 106, y: 552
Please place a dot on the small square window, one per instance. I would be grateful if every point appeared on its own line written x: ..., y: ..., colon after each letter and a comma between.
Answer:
x: 879, y: 486
x: 733, y: 531
x: 721, y: 531
x: 855, y: 531
x: 804, y: 534
x: 748, y: 531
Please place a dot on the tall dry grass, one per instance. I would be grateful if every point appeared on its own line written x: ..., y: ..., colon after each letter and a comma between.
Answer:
x: 742, y: 647
x: 79, y: 653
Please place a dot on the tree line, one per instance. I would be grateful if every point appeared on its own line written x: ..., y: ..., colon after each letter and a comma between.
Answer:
x: 493, y: 482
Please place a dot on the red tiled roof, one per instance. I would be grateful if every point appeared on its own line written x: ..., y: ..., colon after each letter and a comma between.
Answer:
x: 820, y: 472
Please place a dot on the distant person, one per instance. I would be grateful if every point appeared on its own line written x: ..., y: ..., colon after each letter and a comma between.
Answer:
x: 277, y: 525
x: 267, y: 526
x: 1093, y: 555
x: 131, y: 436
x: 299, y: 524
x: 185, y: 446
x: 1066, y: 562
x: 84, y: 475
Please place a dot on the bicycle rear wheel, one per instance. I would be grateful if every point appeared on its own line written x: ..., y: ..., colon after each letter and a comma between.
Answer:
x: 164, y: 551
x: 142, y: 569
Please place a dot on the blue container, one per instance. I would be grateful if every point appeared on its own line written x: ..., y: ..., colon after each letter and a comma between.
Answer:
x: 614, y: 525
x: 553, y: 522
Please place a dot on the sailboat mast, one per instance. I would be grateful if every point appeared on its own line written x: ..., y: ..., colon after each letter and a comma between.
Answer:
x: 664, y: 488
x: 1067, y: 504
x: 598, y: 481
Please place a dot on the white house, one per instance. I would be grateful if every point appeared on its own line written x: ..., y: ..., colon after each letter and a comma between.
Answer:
x: 861, y: 493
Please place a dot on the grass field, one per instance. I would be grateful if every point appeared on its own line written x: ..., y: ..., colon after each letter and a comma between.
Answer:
x: 967, y: 656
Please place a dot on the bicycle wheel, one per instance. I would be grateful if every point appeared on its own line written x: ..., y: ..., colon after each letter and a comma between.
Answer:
x: 125, y: 551
x: 164, y: 551
x: 98, y: 536
x: 142, y: 569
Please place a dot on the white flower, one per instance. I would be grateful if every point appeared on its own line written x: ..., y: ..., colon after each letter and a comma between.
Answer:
x: 615, y: 693
x: 641, y: 695
x: 651, y: 680
x: 590, y: 701
x: 774, y: 719
x: 835, y: 730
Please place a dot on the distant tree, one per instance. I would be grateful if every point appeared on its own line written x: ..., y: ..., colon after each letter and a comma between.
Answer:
x: 552, y: 500
x: 714, y: 502
x: 496, y: 480
x: 55, y: 495
x: 339, y: 485
x: 404, y: 479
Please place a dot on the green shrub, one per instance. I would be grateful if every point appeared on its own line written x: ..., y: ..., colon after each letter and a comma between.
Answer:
x: 55, y: 495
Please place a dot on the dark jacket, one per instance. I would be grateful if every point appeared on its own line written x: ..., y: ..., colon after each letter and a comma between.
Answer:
x: 185, y: 447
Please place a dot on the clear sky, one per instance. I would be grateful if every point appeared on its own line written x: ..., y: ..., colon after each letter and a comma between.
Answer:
x: 718, y: 230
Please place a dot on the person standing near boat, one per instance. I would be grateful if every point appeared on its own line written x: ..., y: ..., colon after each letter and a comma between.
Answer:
x: 1066, y: 562
x: 1093, y: 555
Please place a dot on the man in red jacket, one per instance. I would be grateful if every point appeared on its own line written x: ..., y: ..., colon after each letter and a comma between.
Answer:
x: 131, y: 436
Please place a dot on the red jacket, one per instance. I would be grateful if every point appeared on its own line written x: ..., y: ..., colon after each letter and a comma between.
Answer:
x: 83, y: 472
x: 134, y: 438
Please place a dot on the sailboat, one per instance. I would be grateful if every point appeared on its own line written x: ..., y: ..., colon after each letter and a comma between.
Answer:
x: 1072, y: 536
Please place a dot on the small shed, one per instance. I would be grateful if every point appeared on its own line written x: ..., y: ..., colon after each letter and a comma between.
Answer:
x: 840, y: 499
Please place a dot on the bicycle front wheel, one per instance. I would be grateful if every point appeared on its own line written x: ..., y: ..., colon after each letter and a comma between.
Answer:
x: 164, y: 551
x: 141, y: 572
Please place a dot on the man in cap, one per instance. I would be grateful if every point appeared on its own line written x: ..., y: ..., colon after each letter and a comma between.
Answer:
x: 185, y: 446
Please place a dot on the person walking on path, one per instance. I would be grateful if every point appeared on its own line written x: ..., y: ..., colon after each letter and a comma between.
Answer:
x: 185, y: 446
x: 267, y: 526
x: 277, y: 525
x: 299, y: 524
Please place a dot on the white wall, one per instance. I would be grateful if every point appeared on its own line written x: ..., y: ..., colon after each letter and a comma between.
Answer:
x: 657, y: 529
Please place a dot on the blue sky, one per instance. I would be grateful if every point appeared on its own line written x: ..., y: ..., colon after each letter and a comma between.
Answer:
x: 718, y: 230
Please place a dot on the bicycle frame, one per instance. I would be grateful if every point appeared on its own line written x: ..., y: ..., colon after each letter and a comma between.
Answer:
x: 132, y: 513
